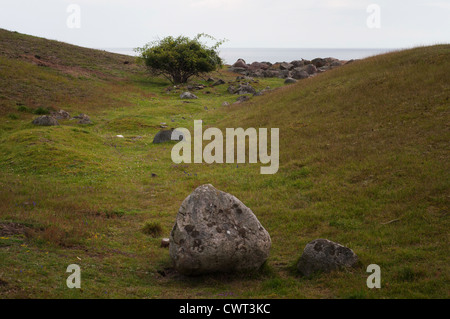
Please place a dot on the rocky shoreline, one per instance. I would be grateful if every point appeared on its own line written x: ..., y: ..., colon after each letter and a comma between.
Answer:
x: 297, y: 70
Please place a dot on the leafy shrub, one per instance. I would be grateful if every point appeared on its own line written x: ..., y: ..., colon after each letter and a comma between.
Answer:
x: 41, y: 111
x: 178, y: 59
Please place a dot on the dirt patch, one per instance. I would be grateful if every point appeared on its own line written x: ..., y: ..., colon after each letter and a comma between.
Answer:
x: 11, y: 229
x: 71, y: 70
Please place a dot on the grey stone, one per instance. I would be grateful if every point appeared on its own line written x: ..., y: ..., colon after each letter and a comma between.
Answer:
x: 188, y: 95
x: 219, y: 82
x: 240, y: 63
x: 299, y: 73
x: 215, y: 232
x: 45, y: 120
x: 319, y: 62
x: 245, y: 89
x: 323, y: 255
x: 61, y: 115
x: 286, y: 66
x: 83, y: 119
x: 166, y: 136
x: 290, y: 81
x: 310, y: 69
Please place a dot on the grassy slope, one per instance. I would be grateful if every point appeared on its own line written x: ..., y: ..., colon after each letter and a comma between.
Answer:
x: 360, y: 146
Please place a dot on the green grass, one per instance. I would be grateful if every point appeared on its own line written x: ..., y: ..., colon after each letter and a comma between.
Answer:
x: 361, y: 146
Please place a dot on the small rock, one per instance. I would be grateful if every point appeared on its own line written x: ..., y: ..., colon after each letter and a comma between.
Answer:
x: 241, y: 99
x: 165, y: 242
x: 323, y: 255
x: 83, y: 119
x: 225, y: 104
x: 61, y: 115
x: 219, y: 82
x: 290, y: 81
x: 119, y: 136
x: 188, y: 95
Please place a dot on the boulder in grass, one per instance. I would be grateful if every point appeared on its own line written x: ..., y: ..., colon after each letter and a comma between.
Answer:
x: 166, y: 136
x: 290, y: 81
x: 45, y: 120
x: 323, y: 255
x: 215, y: 232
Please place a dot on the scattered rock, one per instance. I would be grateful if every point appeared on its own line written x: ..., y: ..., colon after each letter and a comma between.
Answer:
x: 245, y: 89
x: 242, y: 98
x: 165, y: 136
x: 188, y: 95
x: 336, y: 63
x: 266, y: 69
x: 290, y: 81
x: 215, y: 232
x: 286, y: 66
x: 310, y: 69
x: 299, y: 74
x: 45, y: 120
x: 323, y: 255
x: 219, y: 82
x: 61, y: 115
x: 318, y: 62
x: 225, y: 104
x: 83, y: 119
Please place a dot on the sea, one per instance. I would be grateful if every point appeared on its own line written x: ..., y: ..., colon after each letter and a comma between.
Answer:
x: 273, y: 55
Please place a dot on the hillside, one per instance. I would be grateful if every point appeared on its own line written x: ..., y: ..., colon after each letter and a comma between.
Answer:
x: 364, y: 159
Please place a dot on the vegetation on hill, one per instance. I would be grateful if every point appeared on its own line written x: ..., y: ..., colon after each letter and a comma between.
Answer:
x: 364, y: 162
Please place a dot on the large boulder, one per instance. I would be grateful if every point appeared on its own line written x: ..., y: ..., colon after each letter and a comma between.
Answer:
x: 319, y: 62
x: 299, y: 73
x: 310, y: 69
x: 45, y: 120
x: 323, y: 255
x: 215, y: 232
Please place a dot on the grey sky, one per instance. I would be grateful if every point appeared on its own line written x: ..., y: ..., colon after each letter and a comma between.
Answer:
x: 245, y: 23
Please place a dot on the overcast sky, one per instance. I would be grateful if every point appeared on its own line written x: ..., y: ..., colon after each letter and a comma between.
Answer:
x: 245, y: 23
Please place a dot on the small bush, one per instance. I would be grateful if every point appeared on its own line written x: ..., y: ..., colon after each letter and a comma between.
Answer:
x: 13, y: 116
x: 41, y: 111
x: 153, y: 229
x: 23, y: 108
